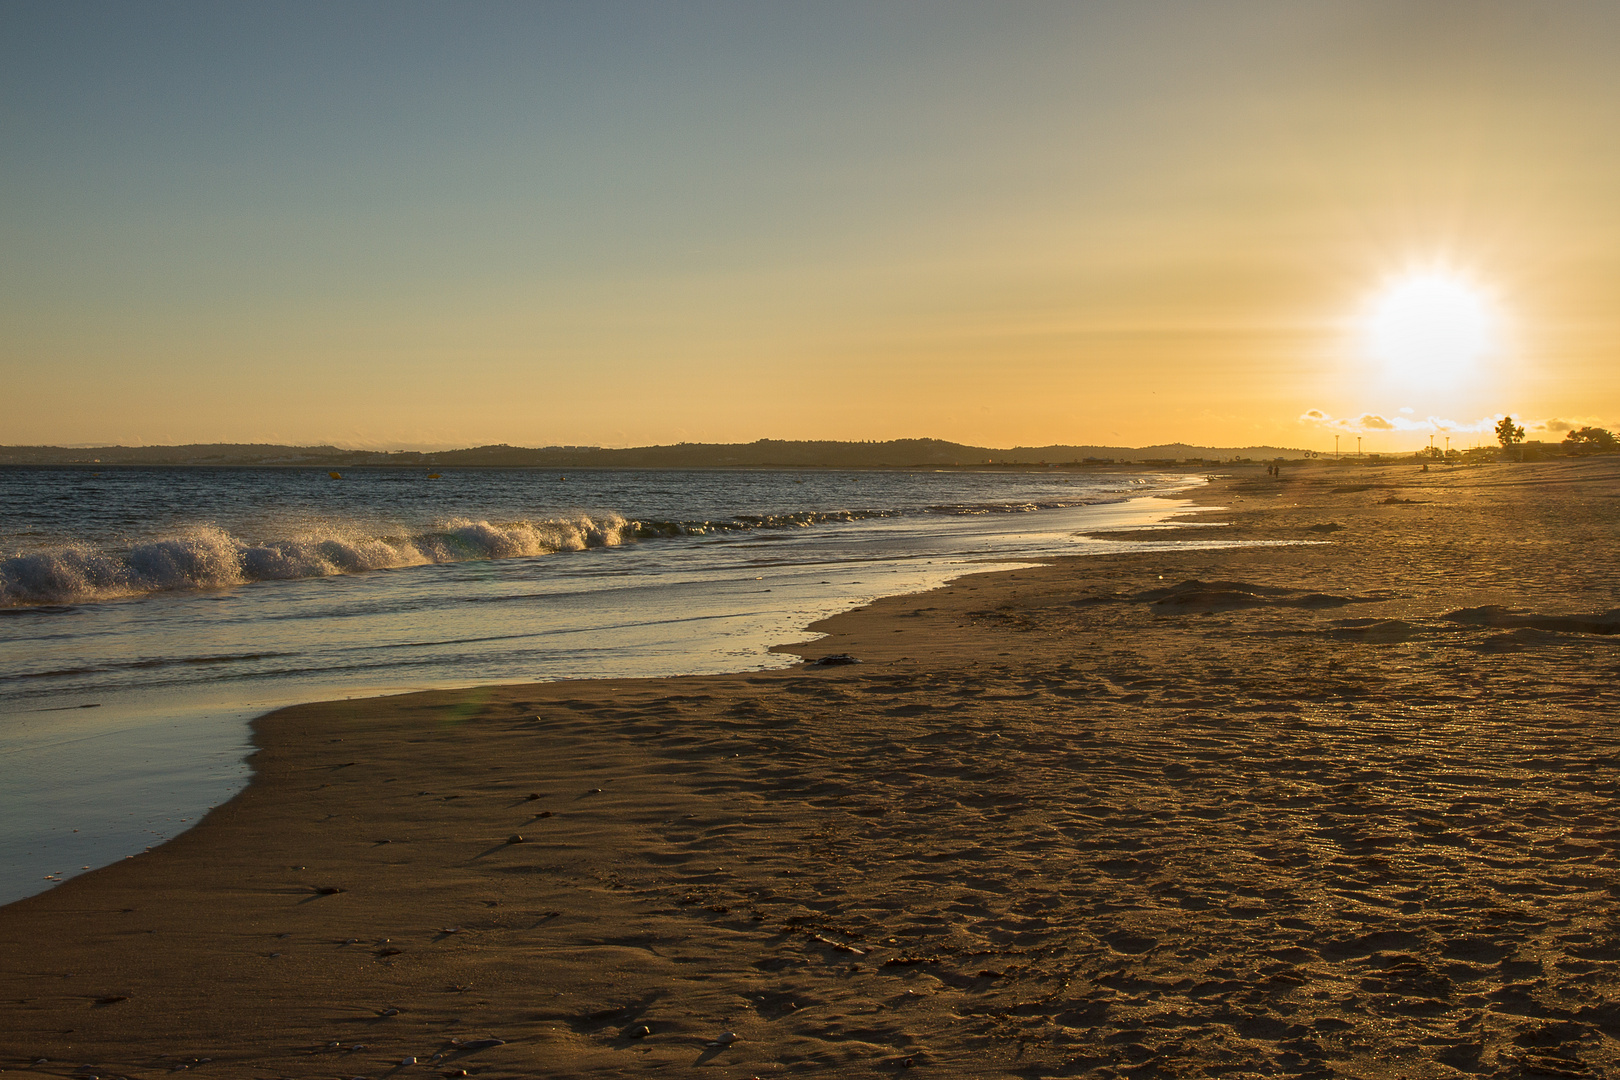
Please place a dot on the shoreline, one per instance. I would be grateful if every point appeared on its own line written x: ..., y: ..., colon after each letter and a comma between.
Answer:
x: 1321, y: 811
x: 121, y: 777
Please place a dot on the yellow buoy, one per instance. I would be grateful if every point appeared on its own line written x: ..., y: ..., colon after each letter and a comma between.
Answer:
x: 335, y: 476
x: 433, y: 476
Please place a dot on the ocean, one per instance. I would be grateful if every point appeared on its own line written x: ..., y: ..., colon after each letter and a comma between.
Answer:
x: 148, y: 614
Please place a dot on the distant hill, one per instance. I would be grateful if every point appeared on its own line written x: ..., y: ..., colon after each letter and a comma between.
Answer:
x: 895, y: 453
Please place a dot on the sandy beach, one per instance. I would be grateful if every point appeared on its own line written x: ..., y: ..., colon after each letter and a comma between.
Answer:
x: 1341, y: 807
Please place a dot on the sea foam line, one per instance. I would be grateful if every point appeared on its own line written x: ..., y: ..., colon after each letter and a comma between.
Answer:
x: 208, y: 557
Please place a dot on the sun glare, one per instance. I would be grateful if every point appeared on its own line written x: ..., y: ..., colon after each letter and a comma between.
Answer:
x: 1430, y: 326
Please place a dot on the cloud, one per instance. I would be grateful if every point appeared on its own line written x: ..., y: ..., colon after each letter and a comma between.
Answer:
x: 1486, y: 424
x: 1556, y: 425
x: 1428, y: 425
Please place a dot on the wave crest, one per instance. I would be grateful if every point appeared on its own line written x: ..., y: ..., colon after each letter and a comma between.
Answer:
x: 207, y: 557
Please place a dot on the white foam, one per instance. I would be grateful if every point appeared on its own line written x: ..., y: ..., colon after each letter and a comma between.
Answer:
x: 206, y: 557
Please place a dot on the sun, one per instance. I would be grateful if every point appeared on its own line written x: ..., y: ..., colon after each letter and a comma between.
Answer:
x: 1430, y: 327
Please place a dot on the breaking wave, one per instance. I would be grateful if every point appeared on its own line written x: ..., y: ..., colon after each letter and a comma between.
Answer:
x: 207, y: 557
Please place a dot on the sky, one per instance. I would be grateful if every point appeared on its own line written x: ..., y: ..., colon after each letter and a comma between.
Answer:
x: 413, y: 225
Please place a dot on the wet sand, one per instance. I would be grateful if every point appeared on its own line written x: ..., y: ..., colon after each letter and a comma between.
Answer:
x: 1346, y: 808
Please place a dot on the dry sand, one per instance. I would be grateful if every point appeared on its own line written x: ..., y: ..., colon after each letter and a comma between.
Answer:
x: 1344, y: 809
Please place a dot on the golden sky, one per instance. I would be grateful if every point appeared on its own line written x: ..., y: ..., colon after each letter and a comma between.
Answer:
x: 412, y: 225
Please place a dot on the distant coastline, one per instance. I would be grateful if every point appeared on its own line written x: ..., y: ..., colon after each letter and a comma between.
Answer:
x: 763, y: 453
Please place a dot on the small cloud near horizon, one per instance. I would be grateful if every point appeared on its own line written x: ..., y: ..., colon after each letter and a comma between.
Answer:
x: 1425, y: 426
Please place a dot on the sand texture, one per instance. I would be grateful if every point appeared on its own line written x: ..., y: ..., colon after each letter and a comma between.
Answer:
x: 1344, y: 808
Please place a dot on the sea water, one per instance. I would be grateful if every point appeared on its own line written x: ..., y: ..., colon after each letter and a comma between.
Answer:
x: 148, y: 614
